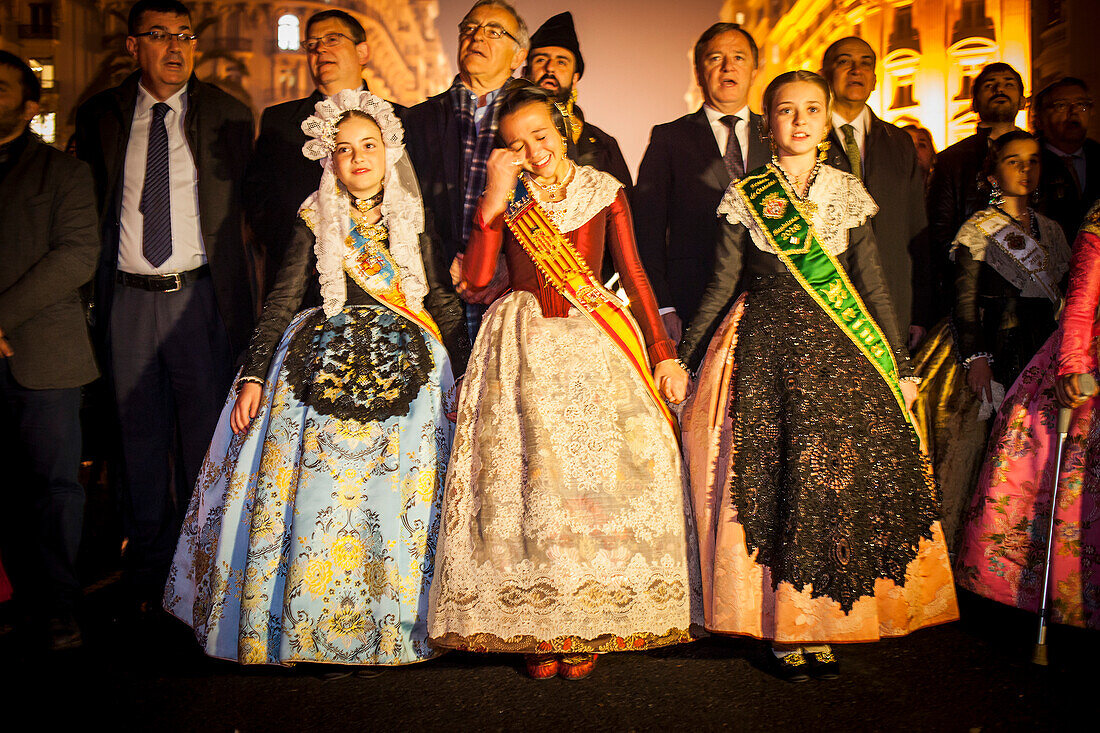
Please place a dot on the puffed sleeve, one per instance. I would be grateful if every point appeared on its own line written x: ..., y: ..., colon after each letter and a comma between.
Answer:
x: 1082, y: 299
x: 717, y: 298
x: 643, y: 306
x: 282, y: 303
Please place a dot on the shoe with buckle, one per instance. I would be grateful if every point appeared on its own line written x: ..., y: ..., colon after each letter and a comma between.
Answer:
x: 541, y: 666
x: 823, y: 665
x: 576, y: 666
x: 791, y: 667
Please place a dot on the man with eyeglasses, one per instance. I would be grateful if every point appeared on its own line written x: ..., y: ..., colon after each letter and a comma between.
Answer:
x: 451, y: 134
x: 173, y: 306
x: 1069, y: 178
x: 279, y: 177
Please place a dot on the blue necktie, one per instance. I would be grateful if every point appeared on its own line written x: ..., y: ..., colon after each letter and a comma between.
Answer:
x: 156, y: 201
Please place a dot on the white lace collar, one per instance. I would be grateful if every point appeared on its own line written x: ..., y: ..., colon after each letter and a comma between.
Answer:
x: 842, y: 204
x: 590, y: 192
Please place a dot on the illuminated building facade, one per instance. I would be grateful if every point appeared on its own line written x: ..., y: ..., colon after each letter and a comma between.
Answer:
x: 250, y: 48
x: 928, y: 50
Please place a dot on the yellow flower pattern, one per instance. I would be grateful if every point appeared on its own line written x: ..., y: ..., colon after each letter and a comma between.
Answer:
x: 311, y: 538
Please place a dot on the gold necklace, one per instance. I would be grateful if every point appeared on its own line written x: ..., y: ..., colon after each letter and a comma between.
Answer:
x: 553, y: 189
x: 365, y: 205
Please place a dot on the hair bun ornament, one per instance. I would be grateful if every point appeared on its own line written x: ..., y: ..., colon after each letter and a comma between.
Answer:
x: 320, y: 127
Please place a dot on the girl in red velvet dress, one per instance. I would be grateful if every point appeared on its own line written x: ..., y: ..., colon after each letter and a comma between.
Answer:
x: 1004, y: 543
x: 565, y: 531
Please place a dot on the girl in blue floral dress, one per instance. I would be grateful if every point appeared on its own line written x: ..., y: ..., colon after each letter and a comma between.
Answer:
x: 311, y: 533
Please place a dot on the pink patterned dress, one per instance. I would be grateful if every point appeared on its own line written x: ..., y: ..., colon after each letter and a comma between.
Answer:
x: 1004, y: 542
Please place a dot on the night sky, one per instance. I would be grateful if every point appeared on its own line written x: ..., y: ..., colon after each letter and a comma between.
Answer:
x: 637, y: 56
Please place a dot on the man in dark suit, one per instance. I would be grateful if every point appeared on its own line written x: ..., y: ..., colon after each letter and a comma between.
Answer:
x: 279, y: 177
x: 555, y: 63
x: 175, y: 311
x: 884, y: 157
x: 1069, y: 178
x: 688, y: 166
x: 49, y: 246
x: 449, y: 136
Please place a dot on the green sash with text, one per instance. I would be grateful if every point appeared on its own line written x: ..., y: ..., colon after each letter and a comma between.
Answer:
x: 790, y: 233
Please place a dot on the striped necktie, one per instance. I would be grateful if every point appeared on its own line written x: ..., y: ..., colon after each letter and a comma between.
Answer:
x: 851, y: 149
x: 156, y: 201
x: 735, y: 164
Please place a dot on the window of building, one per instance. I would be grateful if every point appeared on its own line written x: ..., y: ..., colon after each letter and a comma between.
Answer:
x: 289, y: 34
x: 45, y: 126
x: 41, y: 16
x: 45, y: 70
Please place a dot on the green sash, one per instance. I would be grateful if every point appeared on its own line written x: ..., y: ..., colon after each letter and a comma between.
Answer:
x: 790, y: 233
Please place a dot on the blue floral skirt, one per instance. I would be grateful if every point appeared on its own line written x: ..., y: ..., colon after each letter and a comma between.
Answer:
x: 311, y: 536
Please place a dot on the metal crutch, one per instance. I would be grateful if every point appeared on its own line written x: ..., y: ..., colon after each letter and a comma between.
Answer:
x: 1087, y: 384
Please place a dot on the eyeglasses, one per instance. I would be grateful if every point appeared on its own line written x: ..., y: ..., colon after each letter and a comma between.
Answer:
x: 328, y: 41
x: 165, y: 37
x: 1061, y: 107
x: 492, y: 30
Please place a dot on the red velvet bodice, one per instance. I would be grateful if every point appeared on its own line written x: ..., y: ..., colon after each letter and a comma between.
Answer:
x: 611, y: 229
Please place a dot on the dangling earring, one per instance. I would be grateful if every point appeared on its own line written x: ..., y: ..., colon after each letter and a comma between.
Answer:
x: 996, y: 195
x: 823, y: 150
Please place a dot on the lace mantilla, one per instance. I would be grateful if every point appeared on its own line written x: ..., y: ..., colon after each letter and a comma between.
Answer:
x: 402, y: 207
x: 842, y: 204
x: 590, y: 192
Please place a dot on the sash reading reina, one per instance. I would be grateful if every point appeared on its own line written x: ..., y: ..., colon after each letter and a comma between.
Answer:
x: 790, y: 233
x: 567, y: 272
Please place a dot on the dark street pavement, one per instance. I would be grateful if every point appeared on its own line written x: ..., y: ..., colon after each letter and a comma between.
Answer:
x: 966, y: 676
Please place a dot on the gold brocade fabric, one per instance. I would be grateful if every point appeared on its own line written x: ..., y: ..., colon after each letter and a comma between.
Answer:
x: 946, y: 414
x: 565, y: 525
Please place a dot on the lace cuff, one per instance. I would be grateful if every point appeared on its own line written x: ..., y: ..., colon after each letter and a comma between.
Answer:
x: 242, y: 380
x: 980, y: 355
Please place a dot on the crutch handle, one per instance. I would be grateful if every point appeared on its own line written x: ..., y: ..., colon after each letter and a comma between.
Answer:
x: 1087, y: 384
x: 1039, y: 655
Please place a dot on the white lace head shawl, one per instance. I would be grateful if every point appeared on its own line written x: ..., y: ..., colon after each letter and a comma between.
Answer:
x: 402, y: 206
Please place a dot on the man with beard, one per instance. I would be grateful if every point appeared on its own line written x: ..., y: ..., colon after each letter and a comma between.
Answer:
x: 1069, y: 179
x: 279, y: 177
x: 173, y: 305
x: 957, y: 189
x: 883, y: 156
x: 688, y: 166
x: 449, y: 136
x: 48, y: 249
x: 555, y: 63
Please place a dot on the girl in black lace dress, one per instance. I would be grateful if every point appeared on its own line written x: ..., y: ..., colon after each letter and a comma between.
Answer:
x: 815, y: 508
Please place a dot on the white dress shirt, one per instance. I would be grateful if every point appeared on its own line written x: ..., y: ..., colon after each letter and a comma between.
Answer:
x: 188, y: 251
x: 859, y: 129
x: 722, y: 133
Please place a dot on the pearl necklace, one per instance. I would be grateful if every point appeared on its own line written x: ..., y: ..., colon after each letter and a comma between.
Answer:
x: 553, y: 189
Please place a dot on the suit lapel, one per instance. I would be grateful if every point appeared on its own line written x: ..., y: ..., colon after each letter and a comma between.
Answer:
x: 706, y: 150
x: 452, y: 162
x: 759, y: 151
x: 125, y: 101
x: 13, y: 189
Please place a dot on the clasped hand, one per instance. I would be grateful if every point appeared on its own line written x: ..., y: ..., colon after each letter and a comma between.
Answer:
x: 672, y: 381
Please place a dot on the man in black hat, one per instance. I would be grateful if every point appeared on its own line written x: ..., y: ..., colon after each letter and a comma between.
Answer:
x: 555, y: 63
